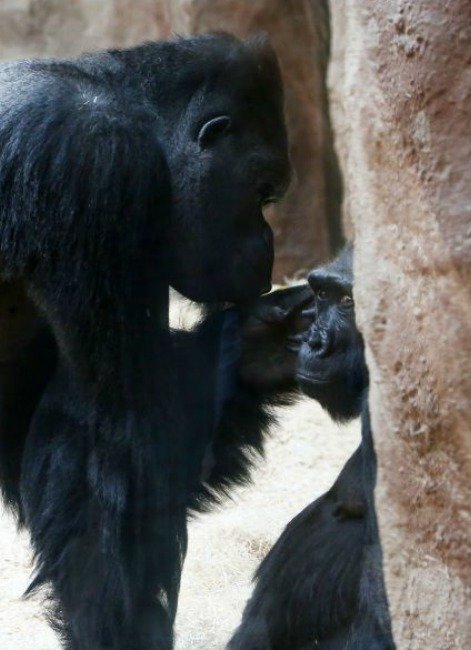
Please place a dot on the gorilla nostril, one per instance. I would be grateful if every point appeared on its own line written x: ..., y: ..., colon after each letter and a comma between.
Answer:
x: 318, y: 343
x: 315, y: 344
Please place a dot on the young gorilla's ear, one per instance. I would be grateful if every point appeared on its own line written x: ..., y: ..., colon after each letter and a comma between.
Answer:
x: 213, y: 129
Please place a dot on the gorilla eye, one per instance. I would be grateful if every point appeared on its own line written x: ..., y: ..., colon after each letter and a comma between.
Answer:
x: 213, y: 129
x: 322, y: 294
x: 346, y: 300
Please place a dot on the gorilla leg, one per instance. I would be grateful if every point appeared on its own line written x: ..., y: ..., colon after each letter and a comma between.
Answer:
x: 95, y: 514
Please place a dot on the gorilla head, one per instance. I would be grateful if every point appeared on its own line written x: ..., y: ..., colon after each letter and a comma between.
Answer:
x: 226, y: 148
x: 331, y: 361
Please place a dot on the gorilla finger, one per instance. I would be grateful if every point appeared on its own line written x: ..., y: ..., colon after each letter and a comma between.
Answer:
x: 271, y: 315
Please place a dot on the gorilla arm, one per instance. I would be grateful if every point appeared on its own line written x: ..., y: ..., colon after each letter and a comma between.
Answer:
x: 236, y: 365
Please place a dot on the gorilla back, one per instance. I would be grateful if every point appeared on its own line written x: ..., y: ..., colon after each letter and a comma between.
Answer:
x: 121, y: 173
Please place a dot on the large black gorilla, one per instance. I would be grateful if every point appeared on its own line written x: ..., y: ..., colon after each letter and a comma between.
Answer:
x: 122, y: 173
x: 321, y: 585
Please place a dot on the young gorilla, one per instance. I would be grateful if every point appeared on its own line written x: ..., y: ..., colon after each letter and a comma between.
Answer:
x: 122, y: 173
x: 321, y: 585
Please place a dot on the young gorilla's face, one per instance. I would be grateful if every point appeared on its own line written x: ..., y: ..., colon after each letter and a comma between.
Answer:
x: 307, y: 335
x: 331, y: 364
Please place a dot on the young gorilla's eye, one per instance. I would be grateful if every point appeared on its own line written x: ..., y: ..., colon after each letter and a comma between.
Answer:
x: 213, y: 129
x: 322, y: 294
x: 346, y: 300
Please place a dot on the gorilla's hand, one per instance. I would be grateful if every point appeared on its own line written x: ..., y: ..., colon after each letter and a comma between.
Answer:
x: 271, y: 332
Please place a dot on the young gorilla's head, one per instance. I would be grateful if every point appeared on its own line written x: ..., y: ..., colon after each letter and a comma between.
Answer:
x: 331, y: 362
x: 225, y: 143
x: 306, y: 335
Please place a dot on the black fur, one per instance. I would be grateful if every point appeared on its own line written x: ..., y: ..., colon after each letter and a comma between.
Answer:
x: 116, y: 181
x: 321, y: 585
x: 228, y: 429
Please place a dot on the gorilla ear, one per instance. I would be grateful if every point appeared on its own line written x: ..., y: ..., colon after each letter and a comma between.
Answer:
x: 214, y: 129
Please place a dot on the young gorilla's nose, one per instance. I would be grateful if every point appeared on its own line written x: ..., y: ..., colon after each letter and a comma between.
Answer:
x: 318, y: 341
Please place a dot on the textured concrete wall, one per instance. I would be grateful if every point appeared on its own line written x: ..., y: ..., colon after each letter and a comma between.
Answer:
x: 307, y: 224
x: 401, y: 88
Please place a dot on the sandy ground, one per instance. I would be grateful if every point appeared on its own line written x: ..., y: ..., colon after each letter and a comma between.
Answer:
x: 303, y: 456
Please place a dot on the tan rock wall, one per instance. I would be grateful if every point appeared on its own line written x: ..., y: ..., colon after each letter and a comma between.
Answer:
x: 307, y: 224
x: 67, y: 27
x: 402, y: 96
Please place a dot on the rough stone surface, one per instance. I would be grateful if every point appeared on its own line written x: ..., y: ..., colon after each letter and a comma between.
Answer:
x: 56, y: 28
x: 306, y: 224
x: 402, y: 98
